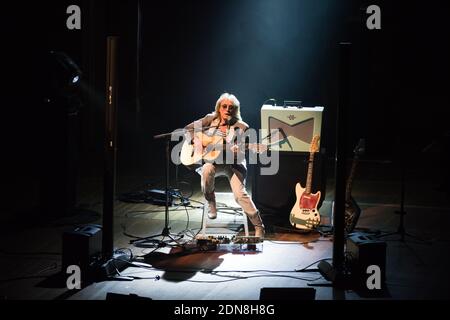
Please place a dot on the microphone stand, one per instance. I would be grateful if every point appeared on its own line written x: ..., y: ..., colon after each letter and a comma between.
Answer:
x: 166, y: 230
x: 401, y: 231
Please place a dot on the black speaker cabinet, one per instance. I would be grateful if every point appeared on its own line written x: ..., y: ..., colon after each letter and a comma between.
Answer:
x: 274, y: 195
x: 82, y: 247
x: 287, y: 294
x: 364, y: 251
x: 130, y: 297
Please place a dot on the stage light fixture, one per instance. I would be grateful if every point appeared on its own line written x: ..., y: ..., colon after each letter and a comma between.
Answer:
x: 75, y: 79
x: 64, y: 79
x: 67, y: 72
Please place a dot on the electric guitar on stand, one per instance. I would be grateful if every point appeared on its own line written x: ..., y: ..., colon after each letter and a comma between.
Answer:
x: 304, y: 215
x: 352, y: 210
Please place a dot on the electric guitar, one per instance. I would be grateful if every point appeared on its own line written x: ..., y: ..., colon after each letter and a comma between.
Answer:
x: 304, y: 214
x: 204, y: 148
x: 352, y: 210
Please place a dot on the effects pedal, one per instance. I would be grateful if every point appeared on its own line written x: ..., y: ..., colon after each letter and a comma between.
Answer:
x: 229, y: 243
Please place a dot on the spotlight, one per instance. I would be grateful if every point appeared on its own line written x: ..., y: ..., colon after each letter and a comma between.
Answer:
x: 63, y: 82
x: 67, y: 73
x: 75, y: 79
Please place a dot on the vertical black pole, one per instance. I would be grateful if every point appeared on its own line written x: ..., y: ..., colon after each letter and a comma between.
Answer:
x: 138, y: 60
x: 166, y: 230
x: 109, y: 182
x: 340, y: 173
x: 401, y: 226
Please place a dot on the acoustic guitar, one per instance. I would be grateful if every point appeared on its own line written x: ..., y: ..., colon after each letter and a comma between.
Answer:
x: 304, y: 214
x: 205, y: 148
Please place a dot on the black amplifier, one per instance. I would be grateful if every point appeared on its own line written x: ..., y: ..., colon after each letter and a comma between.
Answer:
x: 363, y: 250
x: 82, y: 247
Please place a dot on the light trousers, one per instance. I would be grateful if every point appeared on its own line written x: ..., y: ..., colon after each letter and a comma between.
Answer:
x: 237, y: 182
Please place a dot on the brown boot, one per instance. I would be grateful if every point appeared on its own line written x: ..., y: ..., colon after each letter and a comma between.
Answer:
x: 255, y: 219
x: 212, y: 210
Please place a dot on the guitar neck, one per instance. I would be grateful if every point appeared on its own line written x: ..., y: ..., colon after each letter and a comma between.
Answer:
x: 310, y: 172
x: 348, y: 188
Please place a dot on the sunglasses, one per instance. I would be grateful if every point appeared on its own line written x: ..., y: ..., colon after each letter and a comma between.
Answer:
x: 226, y: 106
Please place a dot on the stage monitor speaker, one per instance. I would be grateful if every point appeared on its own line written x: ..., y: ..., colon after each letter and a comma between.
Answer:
x: 82, y: 247
x: 130, y: 297
x: 299, y: 124
x: 364, y: 250
x: 287, y: 294
x: 274, y: 195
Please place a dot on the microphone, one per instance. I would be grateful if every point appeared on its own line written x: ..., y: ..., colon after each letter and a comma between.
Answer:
x: 230, y: 120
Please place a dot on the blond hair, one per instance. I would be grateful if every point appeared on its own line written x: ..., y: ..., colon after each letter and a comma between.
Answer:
x: 236, y: 104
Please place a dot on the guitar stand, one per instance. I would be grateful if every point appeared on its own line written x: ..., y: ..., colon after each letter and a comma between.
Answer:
x: 322, y: 230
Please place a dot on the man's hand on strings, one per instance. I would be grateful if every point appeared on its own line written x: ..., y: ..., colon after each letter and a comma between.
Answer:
x: 235, y: 148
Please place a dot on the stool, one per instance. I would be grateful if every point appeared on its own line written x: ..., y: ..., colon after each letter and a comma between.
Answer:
x: 224, y: 221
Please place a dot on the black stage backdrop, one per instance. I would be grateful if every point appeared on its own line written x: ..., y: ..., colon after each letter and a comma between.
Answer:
x: 177, y: 57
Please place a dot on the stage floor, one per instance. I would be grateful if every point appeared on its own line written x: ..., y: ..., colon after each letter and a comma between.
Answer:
x: 31, y: 256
